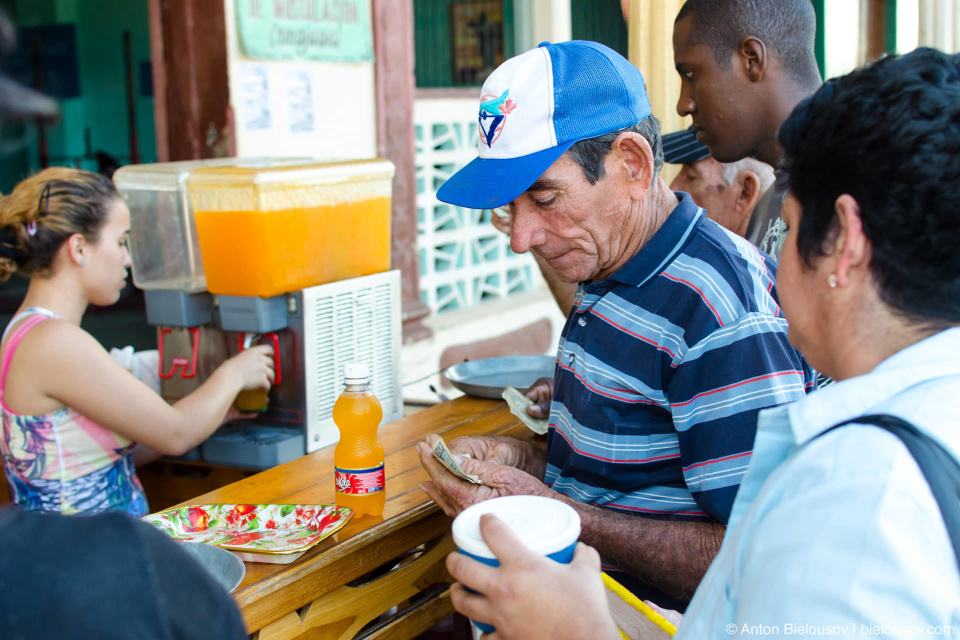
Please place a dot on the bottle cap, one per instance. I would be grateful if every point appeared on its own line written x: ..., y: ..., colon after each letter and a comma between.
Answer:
x: 358, y: 371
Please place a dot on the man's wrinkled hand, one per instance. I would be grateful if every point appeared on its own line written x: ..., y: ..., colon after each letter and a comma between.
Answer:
x: 529, y: 596
x: 453, y: 495
x: 541, y: 392
x: 492, y: 449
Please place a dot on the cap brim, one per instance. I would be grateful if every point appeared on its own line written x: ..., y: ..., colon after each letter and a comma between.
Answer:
x: 18, y: 102
x: 682, y: 147
x: 485, y: 184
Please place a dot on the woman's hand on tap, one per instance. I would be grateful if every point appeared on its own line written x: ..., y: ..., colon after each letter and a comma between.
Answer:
x: 255, y: 367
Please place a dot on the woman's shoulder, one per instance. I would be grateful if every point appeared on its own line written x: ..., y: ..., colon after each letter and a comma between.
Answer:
x: 52, y: 340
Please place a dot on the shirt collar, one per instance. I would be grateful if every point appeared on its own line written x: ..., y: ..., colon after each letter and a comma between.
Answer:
x: 931, y: 358
x: 781, y: 430
x: 663, y: 247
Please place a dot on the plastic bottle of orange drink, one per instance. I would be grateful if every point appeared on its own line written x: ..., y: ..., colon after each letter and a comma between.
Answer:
x: 358, y: 458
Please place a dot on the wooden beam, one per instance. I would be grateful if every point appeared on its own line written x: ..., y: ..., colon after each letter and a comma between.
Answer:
x: 190, y: 59
x: 159, y: 68
x: 395, y: 87
x: 873, y: 16
x: 650, y: 46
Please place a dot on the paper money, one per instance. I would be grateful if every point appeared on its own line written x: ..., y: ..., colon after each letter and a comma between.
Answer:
x: 442, y: 453
x: 518, y: 404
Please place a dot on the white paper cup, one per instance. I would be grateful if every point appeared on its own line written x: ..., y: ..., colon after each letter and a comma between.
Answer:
x: 544, y: 525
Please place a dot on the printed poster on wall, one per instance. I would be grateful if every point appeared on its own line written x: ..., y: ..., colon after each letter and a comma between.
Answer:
x: 255, y: 83
x: 300, y: 100
x: 322, y: 30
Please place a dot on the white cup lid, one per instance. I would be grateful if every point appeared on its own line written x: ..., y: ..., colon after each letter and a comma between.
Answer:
x: 544, y: 525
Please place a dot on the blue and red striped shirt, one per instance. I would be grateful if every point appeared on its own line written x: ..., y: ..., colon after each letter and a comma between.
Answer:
x: 662, y: 369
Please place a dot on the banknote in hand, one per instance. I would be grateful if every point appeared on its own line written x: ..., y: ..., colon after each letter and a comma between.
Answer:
x: 442, y: 453
x: 518, y: 406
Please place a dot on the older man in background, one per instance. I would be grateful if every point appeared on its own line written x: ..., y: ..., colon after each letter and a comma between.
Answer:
x: 728, y: 191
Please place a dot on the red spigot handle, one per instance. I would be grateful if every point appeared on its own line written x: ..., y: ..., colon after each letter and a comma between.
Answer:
x: 187, y: 366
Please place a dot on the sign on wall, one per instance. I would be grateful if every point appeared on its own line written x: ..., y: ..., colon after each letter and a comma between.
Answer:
x: 323, y: 30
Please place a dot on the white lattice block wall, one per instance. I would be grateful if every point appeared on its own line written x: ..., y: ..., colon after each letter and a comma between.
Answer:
x: 464, y: 260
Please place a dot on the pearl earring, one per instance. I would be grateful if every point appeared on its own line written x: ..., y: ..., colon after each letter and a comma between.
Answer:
x: 81, y: 262
x: 832, y: 280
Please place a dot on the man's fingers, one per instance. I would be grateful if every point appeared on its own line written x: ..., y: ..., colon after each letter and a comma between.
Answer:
x: 438, y: 497
x: 587, y: 557
x: 539, y: 410
x: 467, y: 444
x: 501, y: 456
x: 503, y: 542
x: 480, y: 468
x: 471, y: 573
x: 537, y: 390
x: 472, y: 605
x: 541, y: 393
x: 430, y: 463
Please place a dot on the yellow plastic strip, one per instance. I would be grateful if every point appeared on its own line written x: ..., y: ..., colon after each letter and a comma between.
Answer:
x: 624, y: 594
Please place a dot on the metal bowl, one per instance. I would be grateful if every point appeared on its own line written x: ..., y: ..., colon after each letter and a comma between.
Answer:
x: 487, y: 378
x: 226, y: 568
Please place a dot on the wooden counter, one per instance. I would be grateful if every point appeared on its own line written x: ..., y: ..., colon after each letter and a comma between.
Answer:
x: 319, y: 595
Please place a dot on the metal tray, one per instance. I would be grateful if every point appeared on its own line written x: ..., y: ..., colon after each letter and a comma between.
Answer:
x: 226, y: 568
x: 487, y: 378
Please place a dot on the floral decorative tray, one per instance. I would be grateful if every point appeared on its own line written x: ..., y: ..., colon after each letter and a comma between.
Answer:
x: 277, y: 533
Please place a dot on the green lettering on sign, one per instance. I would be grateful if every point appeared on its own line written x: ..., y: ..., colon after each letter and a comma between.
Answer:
x: 326, y: 30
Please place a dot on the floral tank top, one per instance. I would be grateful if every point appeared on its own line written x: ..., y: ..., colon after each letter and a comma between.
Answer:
x: 62, y: 461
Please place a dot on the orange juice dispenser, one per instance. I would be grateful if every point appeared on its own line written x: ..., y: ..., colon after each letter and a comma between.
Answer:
x: 297, y: 256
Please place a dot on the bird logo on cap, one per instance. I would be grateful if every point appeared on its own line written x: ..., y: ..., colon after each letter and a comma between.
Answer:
x: 493, y: 114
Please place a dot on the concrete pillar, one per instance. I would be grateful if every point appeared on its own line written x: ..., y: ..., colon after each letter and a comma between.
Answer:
x: 650, y: 30
x: 940, y: 24
x: 551, y: 21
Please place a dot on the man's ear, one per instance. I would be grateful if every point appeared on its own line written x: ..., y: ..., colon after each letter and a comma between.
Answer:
x: 749, y: 191
x: 636, y: 156
x: 752, y: 54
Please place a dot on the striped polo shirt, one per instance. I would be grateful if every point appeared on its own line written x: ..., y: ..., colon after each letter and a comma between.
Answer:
x: 661, y: 370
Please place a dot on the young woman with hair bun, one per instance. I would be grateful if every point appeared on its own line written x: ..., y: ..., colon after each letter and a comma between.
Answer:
x: 71, y: 415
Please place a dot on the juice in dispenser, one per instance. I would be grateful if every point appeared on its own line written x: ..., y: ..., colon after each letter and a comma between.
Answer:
x: 163, y: 232
x: 358, y: 458
x: 266, y: 231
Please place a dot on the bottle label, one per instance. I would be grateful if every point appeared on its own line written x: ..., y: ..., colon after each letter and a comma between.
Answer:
x: 360, y: 481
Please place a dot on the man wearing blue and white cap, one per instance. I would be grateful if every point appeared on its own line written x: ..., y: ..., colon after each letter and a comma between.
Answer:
x: 675, y: 342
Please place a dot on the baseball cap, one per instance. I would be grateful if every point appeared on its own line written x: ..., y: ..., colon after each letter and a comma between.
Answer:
x: 682, y: 147
x: 534, y: 107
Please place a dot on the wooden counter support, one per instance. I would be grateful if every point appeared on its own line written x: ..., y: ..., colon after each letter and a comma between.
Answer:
x: 312, y: 597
